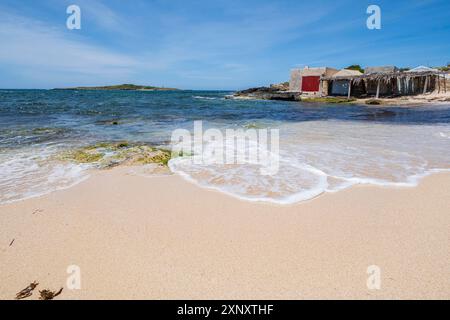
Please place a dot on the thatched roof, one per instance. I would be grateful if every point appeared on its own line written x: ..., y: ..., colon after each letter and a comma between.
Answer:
x: 380, y: 69
x: 386, y: 77
x: 346, y: 73
x: 422, y: 69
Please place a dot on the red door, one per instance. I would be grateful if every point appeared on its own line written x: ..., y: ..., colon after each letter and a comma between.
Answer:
x: 310, y: 84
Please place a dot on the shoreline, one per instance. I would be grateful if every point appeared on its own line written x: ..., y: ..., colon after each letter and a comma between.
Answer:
x: 165, y: 238
x: 155, y: 170
x: 422, y: 99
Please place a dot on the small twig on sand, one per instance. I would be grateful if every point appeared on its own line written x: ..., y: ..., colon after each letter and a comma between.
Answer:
x: 37, y: 211
x: 27, y: 292
x: 11, y: 243
x: 49, y: 295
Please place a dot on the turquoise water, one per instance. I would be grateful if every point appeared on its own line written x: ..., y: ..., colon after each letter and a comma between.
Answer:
x: 323, y: 148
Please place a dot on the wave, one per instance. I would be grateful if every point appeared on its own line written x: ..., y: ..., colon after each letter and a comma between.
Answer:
x: 315, y: 157
x: 205, y: 98
x: 329, y: 156
x: 31, y: 173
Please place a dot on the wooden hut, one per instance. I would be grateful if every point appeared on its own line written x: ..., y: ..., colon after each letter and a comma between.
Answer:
x: 389, y: 82
x: 340, y: 82
x: 375, y: 87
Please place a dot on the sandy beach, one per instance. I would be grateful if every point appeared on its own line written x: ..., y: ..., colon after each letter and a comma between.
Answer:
x: 217, y: 150
x: 136, y: 237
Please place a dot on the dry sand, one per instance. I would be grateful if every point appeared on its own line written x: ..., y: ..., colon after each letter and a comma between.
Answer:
x: 164, y: 238
x: 422, y: 99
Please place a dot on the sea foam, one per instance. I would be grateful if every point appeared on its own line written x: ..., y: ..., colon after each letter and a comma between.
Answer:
x: 31, y: 173
x: 327, y: 156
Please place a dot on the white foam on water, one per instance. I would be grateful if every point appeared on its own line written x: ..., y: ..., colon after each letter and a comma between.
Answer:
x: 328, y: 156
x: 30, y: 173
x: 315, y: 157
x: 444, y: 135
x: 204, y: 98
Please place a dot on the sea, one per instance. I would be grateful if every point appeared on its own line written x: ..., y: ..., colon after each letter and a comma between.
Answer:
x: 322, y: 147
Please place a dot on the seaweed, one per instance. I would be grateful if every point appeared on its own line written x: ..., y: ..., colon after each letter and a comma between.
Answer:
x: 27, y: 292
x: 122, y: 145
x: 328, y: 100
x: 374, y: 102
x: 49, y: 295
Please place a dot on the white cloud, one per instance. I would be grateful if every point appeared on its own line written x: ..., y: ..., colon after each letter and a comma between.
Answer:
x: 168, y: 45
x: 30, y: 44
x: 103, y: 16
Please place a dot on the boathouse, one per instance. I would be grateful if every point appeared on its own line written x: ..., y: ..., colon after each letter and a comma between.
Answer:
x: 309, y: 80
x: 340, y: 82
x: 387, y: 82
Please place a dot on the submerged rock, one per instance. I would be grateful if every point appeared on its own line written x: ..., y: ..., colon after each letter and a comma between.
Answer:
x: 107, y: 155
x: 48, y: 131
x: 82, y: 156
x: 138, y: 155
x: 109, y: 122
x: 90, y: 154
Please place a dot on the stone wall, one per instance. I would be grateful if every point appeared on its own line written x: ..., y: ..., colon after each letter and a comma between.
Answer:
x: 295, y: 83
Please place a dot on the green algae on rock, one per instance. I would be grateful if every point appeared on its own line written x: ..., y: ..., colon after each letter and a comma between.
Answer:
x: 49, y: 130
x: 253, y: 125
x: 110, y: 154
x: 328, y: 100
x: 81, y: 156
x: 143, y: 154
x: 374, y: 102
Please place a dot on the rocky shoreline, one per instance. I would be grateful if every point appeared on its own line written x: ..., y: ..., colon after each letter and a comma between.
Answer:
x: 281, y: 93
x: 266, y: 93
x: 121, y: 87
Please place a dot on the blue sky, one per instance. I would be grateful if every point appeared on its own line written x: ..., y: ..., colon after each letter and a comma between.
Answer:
x: 224, y: 44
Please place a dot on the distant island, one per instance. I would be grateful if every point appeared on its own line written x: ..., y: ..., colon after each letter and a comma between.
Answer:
x: 128, y: 87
